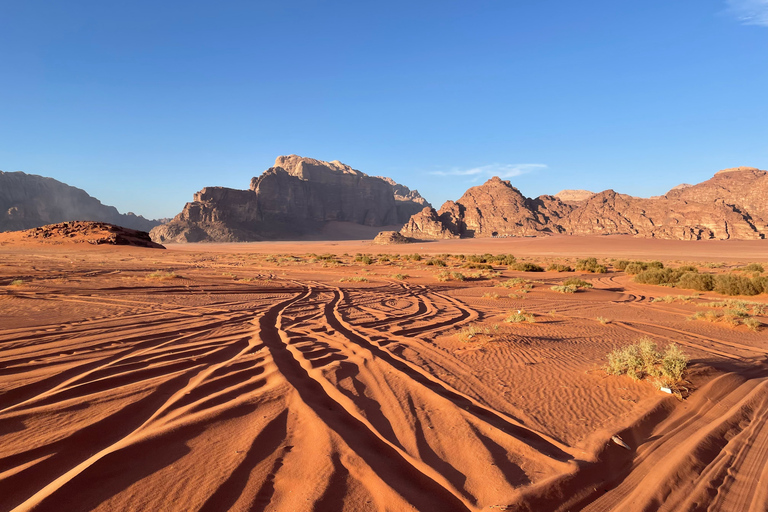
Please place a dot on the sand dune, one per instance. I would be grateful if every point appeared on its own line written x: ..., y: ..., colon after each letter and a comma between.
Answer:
x: 215, y: 380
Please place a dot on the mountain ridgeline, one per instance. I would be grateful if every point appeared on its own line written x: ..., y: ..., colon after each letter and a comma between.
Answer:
x: 731, y: 205
x: 30, y: 201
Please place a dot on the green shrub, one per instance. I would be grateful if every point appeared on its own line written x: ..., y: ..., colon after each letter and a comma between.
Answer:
x: 436, y: 262
x: 479, y: 266
x: 578, y: 283
x: 634, y: 268
x: 401, y: 277
x: 730, y: 284
x: 415, y: 257
x: 752, y: 267
x: 527, y: 267
x: 520, y: 316
x: 557, y: 267
x: 565, y: 288
x: 696, y: 281
x: 644, y: 360
x: 590, y: 265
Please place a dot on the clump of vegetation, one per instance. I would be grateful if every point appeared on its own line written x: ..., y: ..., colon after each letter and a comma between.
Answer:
x: 558, y: 267
x: 752, y: 267
x: 565, y: 288
x: 400, y: 277
x: 521, y: 316
x: 675, y: 298
x: 527, y: 267
x: 733, y: 317
x: 731, y: 284
x: 590, y: 265
x: 450, y: 276
x: 578, y: 283
x: 323, y: 257
x: 603, y: 320
x: 635, y: 267
x: 163, y: 276
x: 415, y: 257
x: 364, y: 259
x: 644, y: 359
x: 473, y: 331
x: 755, y: 308
x: 480, y: 266
x: 437, y: 263
x: 491, y: 295
x: 354, y: 279
x: 16, y: 282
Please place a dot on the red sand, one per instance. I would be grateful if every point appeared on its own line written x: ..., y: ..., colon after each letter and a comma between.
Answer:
x: 217, y: 377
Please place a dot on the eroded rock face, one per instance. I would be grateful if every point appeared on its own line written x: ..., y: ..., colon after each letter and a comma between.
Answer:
x: 81, y: 232
x: 28, y: 201
x: 733, y: 204
x: 390, y: 238
x: 297, y: 196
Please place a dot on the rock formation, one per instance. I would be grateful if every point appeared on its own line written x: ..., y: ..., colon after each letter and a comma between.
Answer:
x: 733, y: 204
x: 296, y: 197
x: 390, y: 238
x: 80, y: 232
x: 28, y: 201
x: 574, y: 196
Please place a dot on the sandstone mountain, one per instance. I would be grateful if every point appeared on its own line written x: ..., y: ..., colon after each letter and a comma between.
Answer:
x: 295, y: 198
x: 574, y: 196
x: 28, y: 201
x: 733, y: 204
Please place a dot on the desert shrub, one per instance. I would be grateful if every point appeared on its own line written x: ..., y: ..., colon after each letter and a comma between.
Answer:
x: 323, y: 257
x: 458, y: 276
x: 621, y: 265
x: 479, y: 266
x: 443, y: 276
x: 520, y: 316
x: 436, y: 262
x: 730, y: 284
x: 491, y: 295
x: 634, y: 268
x: 527, y: 267
x: 384, y: 259
x: 688, y: 268
x: 16, y: 282
x: 401, y: 277
x: 752, y: 323
x: 752, y: 267
x: 590, y: 265
x: 696, y: 281
x: 353, y: 279
x: 557, y: 267
x: 504, y: 259
x: 578, y: 283
x: 663, y: 276
x: 516, y: 282
x: 603, y: 320
x: 675, y: 298
x: 756, y: 308
x: 565, y: 288
x: 415, y: 257
x: 163, y: 276
x: 470, y: 332
x: 643, y: 359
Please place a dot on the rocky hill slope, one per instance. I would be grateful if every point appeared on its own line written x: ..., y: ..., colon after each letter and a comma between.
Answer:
x: 296, y: 197
x: 28, y: 201
x: 733, y: 204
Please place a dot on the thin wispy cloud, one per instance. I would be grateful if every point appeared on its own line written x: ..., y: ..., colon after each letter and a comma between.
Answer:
x: 749, y: 12
x: 500, y: 170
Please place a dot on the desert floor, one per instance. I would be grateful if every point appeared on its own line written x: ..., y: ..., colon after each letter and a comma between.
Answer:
x: 256, y: 377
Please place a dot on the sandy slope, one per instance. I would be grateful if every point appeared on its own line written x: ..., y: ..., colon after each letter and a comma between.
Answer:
x: 231, y: 381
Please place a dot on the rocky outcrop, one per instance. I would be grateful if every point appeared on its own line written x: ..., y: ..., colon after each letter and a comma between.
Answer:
x: 730, y: 205
x: 28, y: 201
x: 294, y: 198
x: 80, y: 232
x: 390, y: 238
x: 574, y: 196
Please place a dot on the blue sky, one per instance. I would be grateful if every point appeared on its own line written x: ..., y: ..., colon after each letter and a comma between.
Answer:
x: 143, y: 103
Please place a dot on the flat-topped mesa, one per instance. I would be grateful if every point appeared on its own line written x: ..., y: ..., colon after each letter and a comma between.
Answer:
x: 731, y: 205
x: 296, y: 197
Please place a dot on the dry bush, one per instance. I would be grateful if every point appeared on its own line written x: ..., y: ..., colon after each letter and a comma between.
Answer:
x: 644, y: 359
x: 163, y: 276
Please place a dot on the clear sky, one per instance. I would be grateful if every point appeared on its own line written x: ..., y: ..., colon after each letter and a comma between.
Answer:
x: 142, y: 103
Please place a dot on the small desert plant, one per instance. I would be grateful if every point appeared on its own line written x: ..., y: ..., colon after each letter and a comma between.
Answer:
x: 491, y: 295
x: 730, y: 284
x: 163, y: 275
x: 578, y: 283
x: 458, y: 276
x: 527, y: 267
x: 364, y: 259
x: 479, y: 266
x: 401, y: 277
x: 353, y: 279
x: 603, y: 320
x: 520, y: 316
x: 752, y: 323
x: 557, y: 267
x: 436, y: 262
x: 565, y: 288
x: 644, y: 360
x: 415, y: 257
x: 590, y: 265
x: 752, y: 267
x: 471, y: 332
x: 16, y: 282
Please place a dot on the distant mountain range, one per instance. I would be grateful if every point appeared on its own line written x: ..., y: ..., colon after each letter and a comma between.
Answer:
x: 731, y: 205
x: 301, y: 197
x: 30, y: 201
